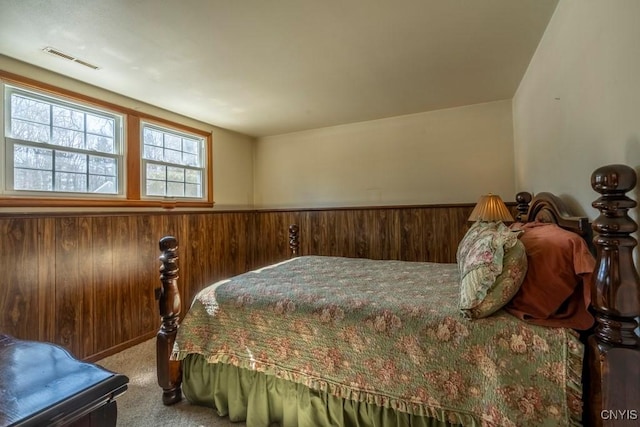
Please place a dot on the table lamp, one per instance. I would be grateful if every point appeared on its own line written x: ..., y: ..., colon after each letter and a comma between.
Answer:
x: 490, y: 207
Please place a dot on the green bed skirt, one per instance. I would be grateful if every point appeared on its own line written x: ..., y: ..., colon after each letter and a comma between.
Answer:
x: 265, y: 400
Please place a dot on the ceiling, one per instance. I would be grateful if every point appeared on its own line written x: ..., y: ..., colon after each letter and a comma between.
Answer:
x: 268, y: 67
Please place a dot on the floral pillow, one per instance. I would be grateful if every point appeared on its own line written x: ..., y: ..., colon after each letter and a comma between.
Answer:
x: 507, y: 284
x: 480, y: 261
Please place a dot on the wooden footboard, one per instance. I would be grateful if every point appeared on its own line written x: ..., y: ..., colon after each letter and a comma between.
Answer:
x: 168, y: 295
x: 612, y: 381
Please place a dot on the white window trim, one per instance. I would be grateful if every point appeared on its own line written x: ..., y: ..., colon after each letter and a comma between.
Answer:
x: 8, y: 142
x: 203, y: 168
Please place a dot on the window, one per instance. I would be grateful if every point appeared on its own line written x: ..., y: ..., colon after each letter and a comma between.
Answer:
x: 172, y: 162
x: 60, y: 148
x: 55, y: 146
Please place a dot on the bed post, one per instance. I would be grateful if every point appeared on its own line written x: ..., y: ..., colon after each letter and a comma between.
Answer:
x: 614, y: 348
x: 522, y: 199
x: 294, y: 240
x: 169, y: 371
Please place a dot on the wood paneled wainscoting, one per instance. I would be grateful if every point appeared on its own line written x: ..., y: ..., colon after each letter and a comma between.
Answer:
x: 410, y: 233
x: 87, y: 281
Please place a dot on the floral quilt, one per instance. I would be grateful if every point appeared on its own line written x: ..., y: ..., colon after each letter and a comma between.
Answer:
x: 389, y: 333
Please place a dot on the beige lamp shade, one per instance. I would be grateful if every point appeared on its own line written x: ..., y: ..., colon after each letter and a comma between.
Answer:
x: 490, y: 207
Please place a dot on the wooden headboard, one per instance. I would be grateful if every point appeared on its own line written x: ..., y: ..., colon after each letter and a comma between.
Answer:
x: 547, y: 207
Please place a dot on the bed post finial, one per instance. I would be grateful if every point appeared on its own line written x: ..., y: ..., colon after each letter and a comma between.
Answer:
x: 523, y: 199
x: 614, y: 347
x: 294, y: 240
x: 168, y: 296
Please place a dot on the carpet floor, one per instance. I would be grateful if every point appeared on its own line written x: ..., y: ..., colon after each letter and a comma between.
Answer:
x: 141, y: 405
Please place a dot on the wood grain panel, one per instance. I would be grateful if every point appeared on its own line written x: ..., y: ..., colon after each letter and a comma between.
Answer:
x: 18, y: 262
x: 319, y: 235
x: 379, y: 231
x: 202, y: 260
x: 413, y: 235
x: 230, y: 240
x: 106, y: 323
x: 146, y: 271
x: 271, y: 237
x: 69, y: 295
x: 46, y: 267
x: 123, y: 233
x: 86, y: 286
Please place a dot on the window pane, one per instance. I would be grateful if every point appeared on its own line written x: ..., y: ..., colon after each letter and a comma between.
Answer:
x: 28, y: 131
x: 152, y: 137
x: 192, y: 190
x: 71, y: 162
x: 190, y: 160
x: 72, y: 182
x: 175, y: 189
x: 100, y: 125
x: 153, y: 153
x: 103, y: 184
x: 32, y: 157
x: 68, y: 118
x: 67, y: 138
x: 193, y: 176
x: 173, y: 142
x: 157, y: 172
x: 34, y: 180
x: 175, y: 174
x: 29, y: 109
x: 172, y: 156
x: 103, y: 166
x: 155, y: 188
x: 102, y: 144
x: 190, y: 146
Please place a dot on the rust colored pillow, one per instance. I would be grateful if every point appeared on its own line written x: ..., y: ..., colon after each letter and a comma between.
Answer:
x: 555, y: 290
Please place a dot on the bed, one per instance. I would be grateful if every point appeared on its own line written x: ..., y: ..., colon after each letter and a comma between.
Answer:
x: 341, y: 341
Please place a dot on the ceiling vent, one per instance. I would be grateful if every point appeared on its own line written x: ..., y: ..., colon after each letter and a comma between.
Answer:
x: 68, y: 57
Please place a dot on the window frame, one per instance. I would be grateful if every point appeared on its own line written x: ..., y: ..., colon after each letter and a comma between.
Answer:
x: 202, y: 152
x: 131, y: 170
x: 118, y: 154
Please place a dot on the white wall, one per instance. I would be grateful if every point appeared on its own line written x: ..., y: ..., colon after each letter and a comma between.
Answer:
x: 445, y: 156
x: 578, y: 106
x: 232, y: 151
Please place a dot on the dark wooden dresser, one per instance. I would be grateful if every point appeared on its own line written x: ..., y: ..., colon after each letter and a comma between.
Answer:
x: 41, y: 384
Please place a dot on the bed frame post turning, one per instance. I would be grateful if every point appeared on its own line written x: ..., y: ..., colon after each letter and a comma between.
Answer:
x: 614, y: 347
x: 169, y: 371
x: 522, y: 199
x: 294, y: 240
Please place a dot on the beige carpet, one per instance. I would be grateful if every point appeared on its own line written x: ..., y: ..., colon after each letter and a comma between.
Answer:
x: 141, y: 405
